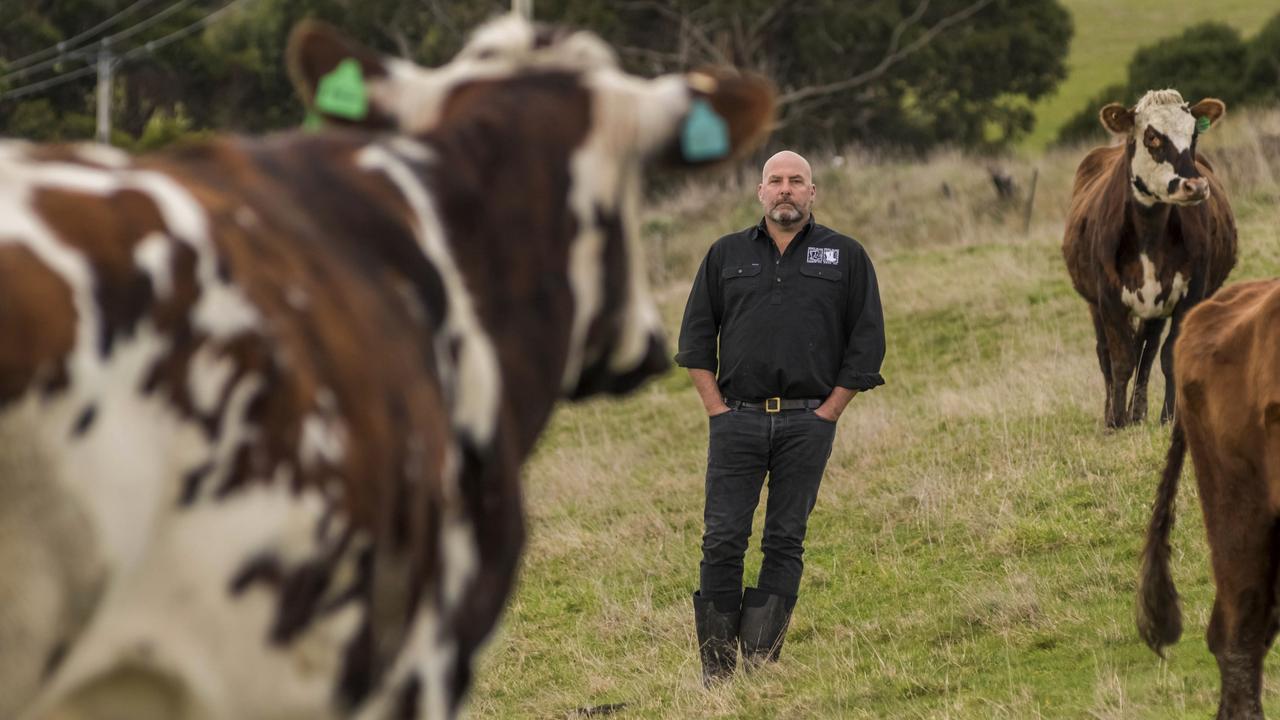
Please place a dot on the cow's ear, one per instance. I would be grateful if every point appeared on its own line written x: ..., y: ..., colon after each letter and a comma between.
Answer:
x: 1116, y: 118
x: 333, y: 76
x: 1210, y: 109
x: 730, y: 114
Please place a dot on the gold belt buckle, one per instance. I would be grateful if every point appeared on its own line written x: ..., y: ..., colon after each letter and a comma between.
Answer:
x: 773, y: 404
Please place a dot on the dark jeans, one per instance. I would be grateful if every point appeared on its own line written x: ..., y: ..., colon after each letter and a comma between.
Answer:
x: 792, y: 447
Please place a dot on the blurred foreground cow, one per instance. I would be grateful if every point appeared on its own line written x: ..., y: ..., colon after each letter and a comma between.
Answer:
x: 263, y: 403
x: 1149, y: 234
x: 1229, y: 416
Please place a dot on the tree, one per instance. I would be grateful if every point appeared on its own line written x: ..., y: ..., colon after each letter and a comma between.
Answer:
x: 911, y: 73
x: 1262, y: 64
x: 1205, y: 60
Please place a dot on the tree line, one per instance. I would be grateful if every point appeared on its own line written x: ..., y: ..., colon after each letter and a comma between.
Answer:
x: 1206, y: 60
x: 905, y: 73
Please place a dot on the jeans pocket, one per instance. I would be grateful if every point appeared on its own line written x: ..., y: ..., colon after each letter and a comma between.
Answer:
x: 822, y: 419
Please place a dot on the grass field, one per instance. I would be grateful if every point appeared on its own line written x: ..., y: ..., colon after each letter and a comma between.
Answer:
x: 1108, y: 32
x: 973, y: 552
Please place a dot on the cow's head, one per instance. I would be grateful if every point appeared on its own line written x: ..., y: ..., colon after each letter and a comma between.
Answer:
x: 552, y: 86
x: 1162, y: 131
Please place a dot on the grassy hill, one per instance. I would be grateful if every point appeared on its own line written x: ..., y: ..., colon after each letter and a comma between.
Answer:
x: 973, y: 551
x: 1107, y: 33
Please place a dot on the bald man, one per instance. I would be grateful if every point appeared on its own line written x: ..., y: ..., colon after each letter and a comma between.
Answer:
x: 782, y: 329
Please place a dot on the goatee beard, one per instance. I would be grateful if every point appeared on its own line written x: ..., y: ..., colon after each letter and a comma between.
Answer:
x: 785, y: 215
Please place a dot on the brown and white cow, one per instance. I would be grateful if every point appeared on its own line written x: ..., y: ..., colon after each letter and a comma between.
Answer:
x: 263, y: 403
x: 1149, y: 234
x: 1226, y: 362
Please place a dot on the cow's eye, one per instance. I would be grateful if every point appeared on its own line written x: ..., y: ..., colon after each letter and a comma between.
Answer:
x: 1154, y: 142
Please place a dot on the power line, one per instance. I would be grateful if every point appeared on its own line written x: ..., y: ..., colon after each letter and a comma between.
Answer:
x: 63, y: 46
x: 94, y: 47
x: 144, y: 49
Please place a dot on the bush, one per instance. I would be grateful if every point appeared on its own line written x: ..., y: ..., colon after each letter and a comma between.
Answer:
x: 1207, y: 60
x: 1262, y: 68
x: 1084, y: 125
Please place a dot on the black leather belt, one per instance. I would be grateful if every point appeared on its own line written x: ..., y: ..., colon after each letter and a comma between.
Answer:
x: 773, y: 404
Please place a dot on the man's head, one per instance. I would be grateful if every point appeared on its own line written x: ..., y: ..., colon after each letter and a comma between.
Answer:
x: 786, y: 189
x: 1162, y: 130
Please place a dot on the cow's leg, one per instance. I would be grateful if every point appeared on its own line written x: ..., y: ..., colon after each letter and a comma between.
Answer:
x: 1122, y: 354
x: 1148, y: 347
x: 1104, y: 357
x: 1242, y: 538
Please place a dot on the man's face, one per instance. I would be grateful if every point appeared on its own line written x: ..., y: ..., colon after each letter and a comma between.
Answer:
x: 786, y: 190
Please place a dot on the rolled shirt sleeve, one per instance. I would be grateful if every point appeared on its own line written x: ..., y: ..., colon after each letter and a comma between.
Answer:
x: 864, y: 351
x: 701, y: 325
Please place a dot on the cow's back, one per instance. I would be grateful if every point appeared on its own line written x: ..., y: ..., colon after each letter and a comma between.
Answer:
x: 1096, y: 213
x: 1225, y: 361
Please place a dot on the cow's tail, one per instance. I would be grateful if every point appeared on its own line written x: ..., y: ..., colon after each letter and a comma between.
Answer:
x: 1159, y: 613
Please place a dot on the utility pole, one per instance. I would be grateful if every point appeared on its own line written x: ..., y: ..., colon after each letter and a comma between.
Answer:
x: 106, y: 65
x: 523, y: 7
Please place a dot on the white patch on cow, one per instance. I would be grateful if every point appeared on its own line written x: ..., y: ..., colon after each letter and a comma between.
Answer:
x: 207, y: 376
x: 235, y: 432
x: 1143, y: 302
x: 1165, y: 111
x: 176, y: 619
x: 630, y: 119
x: 459, y: 553
x: 18, y: 225
x: 323, y: 439
x: 154, y: 254
x: 409, y: 148
x: 430, y: 654
x: 415, y: 96
x: 505, y: 36
x: 460, y: 556
x: 472, y: 384
x: 222, y: 310
x: 103, y: 155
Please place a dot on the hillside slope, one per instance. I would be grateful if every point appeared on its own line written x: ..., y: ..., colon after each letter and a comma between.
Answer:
x: 973, y: 552
x: 1108, y: 32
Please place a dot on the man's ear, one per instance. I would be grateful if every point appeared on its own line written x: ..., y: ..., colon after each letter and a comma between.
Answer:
x: 1116, y: 118
x: 332, y: 76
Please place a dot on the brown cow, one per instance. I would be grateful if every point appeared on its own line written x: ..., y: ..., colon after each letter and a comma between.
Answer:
x: 1226, y: 362
x: 263, y: 403
x: 1150, y: 233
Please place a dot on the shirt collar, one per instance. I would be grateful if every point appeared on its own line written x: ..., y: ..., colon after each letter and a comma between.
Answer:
x: 761, y: 230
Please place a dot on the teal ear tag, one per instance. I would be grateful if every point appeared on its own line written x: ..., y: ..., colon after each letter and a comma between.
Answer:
x: 705, y: 135
x: 342, y: 92
x: 1203, y: 123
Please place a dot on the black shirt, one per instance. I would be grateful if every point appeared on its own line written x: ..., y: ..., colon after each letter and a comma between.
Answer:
x: 793, y: 325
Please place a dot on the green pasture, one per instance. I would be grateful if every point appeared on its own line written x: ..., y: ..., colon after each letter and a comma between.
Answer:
x: 1106, y: 34
x: 973, y: 552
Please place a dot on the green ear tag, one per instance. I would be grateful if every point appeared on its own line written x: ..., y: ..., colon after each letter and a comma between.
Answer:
x: 705, y: 135
x: 342, y: 92
x: 313, y: 121
x: 1202, y: 123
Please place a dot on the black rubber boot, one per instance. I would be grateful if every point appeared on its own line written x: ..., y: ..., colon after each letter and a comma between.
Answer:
x: 764, y: 624
x: 717, y: 635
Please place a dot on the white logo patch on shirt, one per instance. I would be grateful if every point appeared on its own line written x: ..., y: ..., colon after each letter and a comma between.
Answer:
x: 825, y: 256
